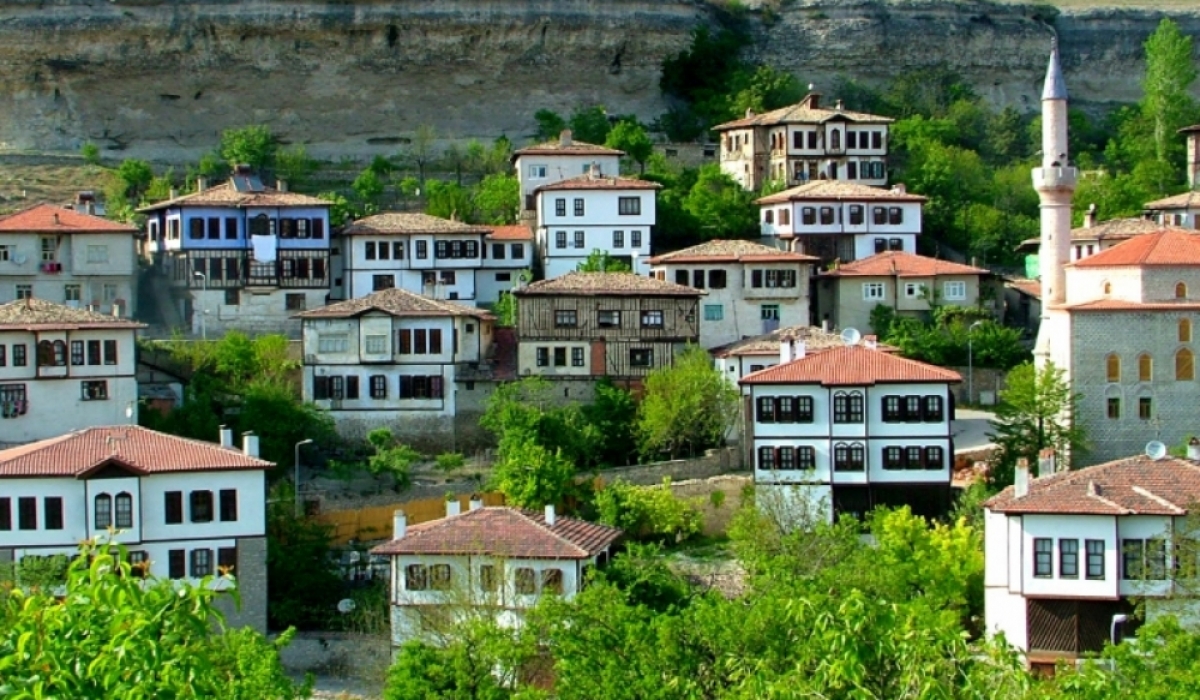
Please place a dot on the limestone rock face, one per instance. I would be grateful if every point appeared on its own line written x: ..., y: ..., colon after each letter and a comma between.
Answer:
x: 161, y: 79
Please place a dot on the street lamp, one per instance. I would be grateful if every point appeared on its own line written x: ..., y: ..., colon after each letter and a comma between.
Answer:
x: 203, y: 301
x: 971, y: 361
x: 1117, y: 620
x: 296, y: 465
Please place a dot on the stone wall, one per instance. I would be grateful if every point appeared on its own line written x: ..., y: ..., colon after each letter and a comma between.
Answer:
x: 713, y: 463
x: 251, y: 573
x: 364, y: 658
x: 718, y: 511
x: 986, y: 380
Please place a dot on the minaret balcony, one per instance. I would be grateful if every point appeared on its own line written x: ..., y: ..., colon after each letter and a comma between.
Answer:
x: 1055, y: 178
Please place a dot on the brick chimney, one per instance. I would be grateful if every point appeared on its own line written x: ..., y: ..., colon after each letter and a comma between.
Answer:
x: 564, y: 137
x: 1089, y: 219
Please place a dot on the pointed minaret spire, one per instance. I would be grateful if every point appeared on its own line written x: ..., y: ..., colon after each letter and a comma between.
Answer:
x: 1055, y: 87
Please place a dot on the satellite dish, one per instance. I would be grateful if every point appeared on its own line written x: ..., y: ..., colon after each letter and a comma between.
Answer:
x: 346, y: 605
x: 355, y: 557
x: 19, y: 259
x: 1156, y: 450
x: 851, y: 336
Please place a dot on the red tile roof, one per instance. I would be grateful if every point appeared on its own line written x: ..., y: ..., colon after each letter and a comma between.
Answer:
x: 134, y: 448
x: 47, y: 218
x: 815, y: 340
x: 1131, y: 486
x: 600, y: 283
x: 589, y: 182
x: 1168, y: 246
x: 1122, y: 305
x: 396, y: 302
x: 901, y: 264
x: 853, y: 365
x: 511, y: 233
x: 839, y: 191
x: 803, y: 112
x: 566, y: 146
x: 225, y: 195
x: 506, y: 532
x: 719, y: 251
x: 1031, y: 288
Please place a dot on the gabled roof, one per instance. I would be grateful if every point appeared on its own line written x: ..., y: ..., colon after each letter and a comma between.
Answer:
x: 395, y: 302
x: 900, y: 264
x: 611, y: 283
x: 39, y: 314
x: 504, y: 532
x: 1193, y: 129
x: 719, y: 251
x: 814, y: 339
x: 566, y: 146
x: 1131, y: 486
x: 409, y: 223
x: 591, y: 182
x: 839, y: 191
x: 1186, y: 200
x: 226, y: 195
x: 1111, y: 230
x: 47, y: 218
x: 1030, y: 288
x: 520, y: 232
x: 130, y: 447
x: 1166, y: 246
x: 852, y: 365
x: 807, y: 111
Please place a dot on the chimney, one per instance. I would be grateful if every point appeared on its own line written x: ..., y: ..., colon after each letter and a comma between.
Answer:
x: 1021, y: 478
x: 899, y: 188
x: 838, y: 105
x: 594, y: 171
x: 201, y: 183
x: 799, y: 350
x: 281, y: 185
x: 749, y: 112
x: 116, y: 310
x: 399, y: 525
x: 226, y: 437
x: 56, y: 218
x: 453, y: 507
x: 1194, y: 449
x: 250, y: 444
x: 870, y: 342
x: 564, y: 137
x: 550, y: 517
x: 785, y: 349
x: 1089, y: 219
x: 813, y: 99
x: 172, y: 193
x: 825, y: 325
x: 1046, y: 462
x: 476, y: 502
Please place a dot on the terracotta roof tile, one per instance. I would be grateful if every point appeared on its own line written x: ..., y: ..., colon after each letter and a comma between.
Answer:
x: 588, y: 182
x: 1031, y: 288
x: 225, y: 195
x: 900, y: 264
x: 854, y: 365
x: 1131, y: 486
x: 1185, y: 200
x: 839, y: 191
x: 511, y: 233
x: 802, y: 113
x: 395, y: 302
x: 1123, y: 305
x: 1166, y: 246
x: 1115, y: 229
x: 39, y: 314
x: 506, y: 532
x: 717, y: 251
x: 408, y: 223
x: 135, y: 448
x: 566, y: 146
x: 815, y: 340
x: 615, y: 283
x: 48, y: 218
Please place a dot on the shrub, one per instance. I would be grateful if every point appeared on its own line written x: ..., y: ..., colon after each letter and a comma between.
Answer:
x: 648, y: 512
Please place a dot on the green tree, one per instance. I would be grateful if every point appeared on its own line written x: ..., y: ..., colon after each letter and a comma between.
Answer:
x: 1162, y: 662
x: 1034, y: 413
x: 531, y: 475
x: 720, y: 206
x: 648, y: 512
x: 448, y: 200
x: 549, y: 124
x: 90, y: 153
x: 253, y: 145
x: 498, y: 199
x: 589, y: 124
x: 600, y: 261
x: 1170, y: 71
x: 632, y: 138
x: 136, y: 175
x: 303, y: 585
x: 458, y: 671
x: 293, y: 165
x: 687, y: 407
x: 763, y: 90
x: 391, y: 457
x: 369, y: 188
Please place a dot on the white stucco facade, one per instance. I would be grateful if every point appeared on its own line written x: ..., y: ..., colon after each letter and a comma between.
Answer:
x: 609, y: 217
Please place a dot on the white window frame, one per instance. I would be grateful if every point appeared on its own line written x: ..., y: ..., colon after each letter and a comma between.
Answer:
x: 912, y: 290
x: 332, y: 342
x: 960, y: 293
x: 874, y: 291
x: 537, y: 172
x: 714, y: 312
x: 376, y: 344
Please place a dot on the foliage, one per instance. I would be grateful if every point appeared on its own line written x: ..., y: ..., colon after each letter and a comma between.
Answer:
x: 600, y: 261
x: 589, y: 124
x: 1167, y: 103
x: 549, y: 124
x: 497, y: 199
x: 687, y: 407
x: 420, y: 150
x: 114, y: 635
x: 720, y: 205
x: 700, y: 75
x: 1162, y: 662
x: 612, y: 414
x: 506, y: 310
x: 951, y: 337
x: 90, y: 153
x: 529, y: 474
x: 293, y: 165
x: 423, y: 672
x: 136, y: 176
x: 450, y: 461
x: 303, y: 586
x: 252, y: 145
x: 391, y: 458
x: 648, y: 512
x: 341, y: 210
x: 631, y: 138
x: 1034, y: 413
x: 369, y: 188
x: 36, y: 571
x: 448, y: 200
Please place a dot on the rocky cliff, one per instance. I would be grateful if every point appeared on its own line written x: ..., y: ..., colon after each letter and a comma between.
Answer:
x: 161, y: 79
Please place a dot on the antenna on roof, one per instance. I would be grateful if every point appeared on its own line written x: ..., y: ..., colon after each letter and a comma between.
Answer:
x: 1156, y: 450
x: 851, y: 336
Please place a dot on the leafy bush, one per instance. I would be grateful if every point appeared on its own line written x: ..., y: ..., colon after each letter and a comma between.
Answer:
x: 648, y: 512
x: 450, y: 461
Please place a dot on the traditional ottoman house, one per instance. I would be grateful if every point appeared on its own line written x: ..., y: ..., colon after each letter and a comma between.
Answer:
x: 507, y: 255
x: 554, y: 161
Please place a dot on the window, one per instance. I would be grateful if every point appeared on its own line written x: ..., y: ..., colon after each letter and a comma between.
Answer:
x: 806, y: 458
x: 879, y: 218
x: 109, y: 292
x: 376, y: 344
x: 124, y: 510
x: 1043, y: 557
x: 848, y: 407
x: 5, y: 514
x: 173, y: 507
x: 1145, y: 408
x: 954, y: 291
x: 526, y: 581
x: 698, y: 279
x: 487, y: 578
x: 1095, y: 559
x: 99, y: 253
x: 1180, y: 290
x: 652, y: 319
x: 766, y: 458
x: 27, y: 513
x: 378, y: 386
x: 552, y: 581
x: 110, y: 352
x: 849, y: 457
x: 498, y: 251
x: 195, y: 229
x: 932, y: 409
x: 560, y: 239
x: 893, y: 409
x: 439, y: 577
x: 1113, y: 405
x: 826, y: 215
x: 856, y: 213
x: 416, y: 577
x: 769, y: 216
x: 893, y: 458
x: 1068, y: 558
x: 641, y: 357
x: 717, y: 279
x: 370, y: 253
x: 935, y: 458
x: 1185, y: 366
x: 578, y: 239
x: 176, y: 560
x: 518, y: 251
x: 565, y: 318
x: 421, y: 387
x: 873, y: 291
x: 226, y: 560
x: 766, y: 409
x: 629, y: 206
x: 231, y: 228
x: 202, y: 506
x: 1112, y: 367
x: 560, y: 357
x: 714, y: 312
x: 608, y: 319
x: 895, y: 216
x: 576, y: 357
x: 72, y: 292
x: 52, y: 508
x: 1185, y: 330
x: 102, y: 517
x: 441, y: 249
x: 635, y: 239
x: 229, y: 505
x: 422, y: 250
x: 503, y: 276
x: 560, y: 207
x: 768, y: 312
x: 1145, y: 368
x: 333, y: 342
x: 578, y: 206
x: 543, y: 357
x: 24, y: 291
x: 201, y: 563
x: 537, y: 172
x: 233, y: 297
x: 96, y: 390
x: 913, y: 290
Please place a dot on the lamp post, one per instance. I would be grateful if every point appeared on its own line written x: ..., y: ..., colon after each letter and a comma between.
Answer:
x: 1117, y: 620
x: 971, y: 361
x: 203, y: 311
x: 296, y: 466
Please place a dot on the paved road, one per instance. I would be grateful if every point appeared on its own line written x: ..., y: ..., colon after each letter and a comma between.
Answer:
x: 970, y: 428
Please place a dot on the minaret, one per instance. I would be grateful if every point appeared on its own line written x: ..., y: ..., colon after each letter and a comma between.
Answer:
x: 1055, y: 183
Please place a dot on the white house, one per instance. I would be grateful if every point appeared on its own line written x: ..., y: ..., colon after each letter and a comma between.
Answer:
x: 508, y: 254
x: 847, y: 429
x: 63, y: 369
x: 73, y: 257
x: 1069, y: 551
x: 1180, y: 211
x: 500, y: 560
x: 741, y: 357
x: 1097, y: 236
x: 183, y: 508
x: 596, y: 211
x: 805, y: 142
x: 752, y: 288
x: 843, y: 221
x: 391, y: 359
x: 554, y: 161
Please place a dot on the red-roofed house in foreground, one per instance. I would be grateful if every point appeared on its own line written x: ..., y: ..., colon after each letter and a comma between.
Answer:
x: 1067, y: 552
x: 504, y: 559
x: 182, y: 507
x: 847, y: 429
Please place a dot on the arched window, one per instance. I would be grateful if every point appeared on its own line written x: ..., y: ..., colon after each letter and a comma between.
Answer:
x: 1107, y: 288
x: 1185, y: 366
x: 45, y: 353
x: 103, y: 511
x: 1113, y: 367
x: 1180, y: 290
x: 835, y: 140
x: 1185, y: 330
x: 124, y: 517
x: 1145, y: 368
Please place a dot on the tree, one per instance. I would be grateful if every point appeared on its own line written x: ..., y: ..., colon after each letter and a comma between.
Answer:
x: 250, y: 145
x: 391, y: 457
x: 498, y: 199
x: 549, y: 124
x: 720, y: 206
x: 589, y: 124
x: 632, y: 138
x: 420, y: 150
x: 293, y: 165
x: 449, y: 200
x: 369, y: 188
x: 600, y: 261
x: 531, y: 475
x: 687, y: 407
x: 90, y: 153
x: 648, y: 512
x: 136, y: 175
x: 1035, y: 412
x: 303, y: 585
x: 1170, y: 71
